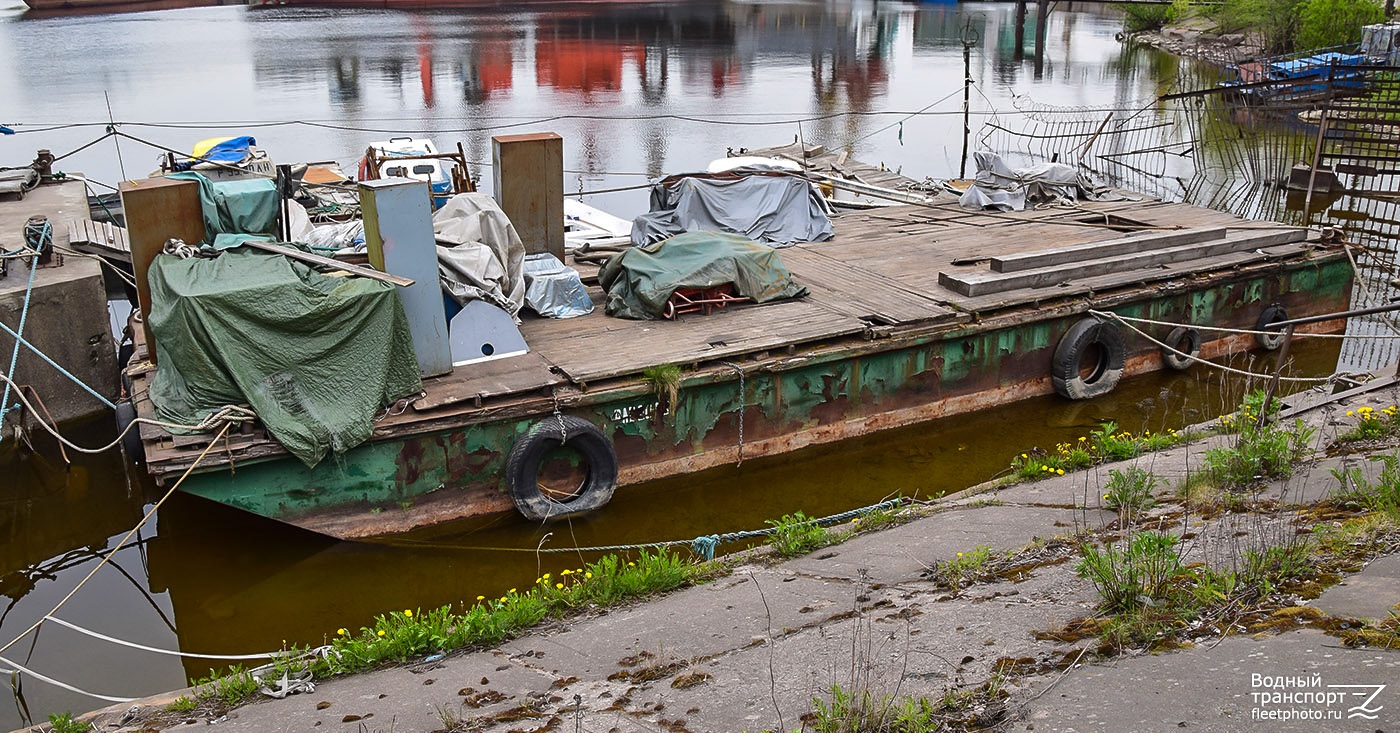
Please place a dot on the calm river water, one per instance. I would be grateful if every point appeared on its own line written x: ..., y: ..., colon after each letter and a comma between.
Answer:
x: 636, y: 90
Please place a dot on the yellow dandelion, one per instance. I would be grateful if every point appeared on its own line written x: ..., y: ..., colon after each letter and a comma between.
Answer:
x: 566, y: 571
x: 959, y: 554
x: 381, y: 632
x: 512, y: 590
x: 1060, y: 471
x: 558, y: 585
x: 588, y: 576
x: 407, y: 613
x: 631, y: 565
x: 481, y: 598
x: 503, y: 599
x: 546, y: 576
x: 1105, y: 496
x: 341, y: 632
x: 1023, y: 455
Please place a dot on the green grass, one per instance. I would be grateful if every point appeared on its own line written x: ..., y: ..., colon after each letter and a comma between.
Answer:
x: 798, y: 534
x: 398, y: 636
x: 1108, y: 443
x: 64, y: 723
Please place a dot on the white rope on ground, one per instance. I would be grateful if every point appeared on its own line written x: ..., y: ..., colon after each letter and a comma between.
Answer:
x: 226, y: 415
x: 158, y: 650
x: 64, y: 685
x: 120, y: 543
x: 1149, y: 321
x: 1241, y: 372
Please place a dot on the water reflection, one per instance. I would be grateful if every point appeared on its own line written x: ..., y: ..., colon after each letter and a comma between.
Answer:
x: 637, y: 90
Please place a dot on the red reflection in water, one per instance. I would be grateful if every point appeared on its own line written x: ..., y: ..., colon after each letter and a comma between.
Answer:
x: 583, y: 66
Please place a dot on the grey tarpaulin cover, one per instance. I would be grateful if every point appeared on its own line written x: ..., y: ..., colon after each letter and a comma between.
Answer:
x: 316, y: 356
x: 554, y: 290
x: 640, y: 280
x: 1000, y: 187
x: 773, y: 208
x: 479, y: 253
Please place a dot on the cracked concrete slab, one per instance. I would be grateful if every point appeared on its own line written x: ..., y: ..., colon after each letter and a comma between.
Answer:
x: 1373, y: 593
x: 1210, y: 689
x: 926, y: 542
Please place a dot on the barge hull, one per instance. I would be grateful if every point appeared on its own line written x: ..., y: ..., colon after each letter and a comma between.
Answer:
x: 822, y: 393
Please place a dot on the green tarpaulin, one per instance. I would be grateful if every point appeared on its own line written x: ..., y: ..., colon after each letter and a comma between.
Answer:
x: 640, y: 280
x: 235, y: 207
x: 316, y: 356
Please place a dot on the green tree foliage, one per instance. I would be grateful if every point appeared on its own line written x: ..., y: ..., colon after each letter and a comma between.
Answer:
x: 1323, y: 23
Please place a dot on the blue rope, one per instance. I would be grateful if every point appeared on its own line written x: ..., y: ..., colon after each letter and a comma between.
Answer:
x: 705, y: 545
x: 98, y: 395
x: 37, y: 238
x: 23, y: 315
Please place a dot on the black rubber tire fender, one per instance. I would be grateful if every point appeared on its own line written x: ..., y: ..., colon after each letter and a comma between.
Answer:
x: 1273, y: 314
x: 131, y: 439
x: 1187, y: 344
x: 523, y: 465
x: 1065, y: 370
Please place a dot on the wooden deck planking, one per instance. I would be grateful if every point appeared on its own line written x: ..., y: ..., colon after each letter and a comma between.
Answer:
x: 1101, y: 283
x: 592, y: 354
x: 99, y: 238
x: 855, y: 291
x: 512, y: 375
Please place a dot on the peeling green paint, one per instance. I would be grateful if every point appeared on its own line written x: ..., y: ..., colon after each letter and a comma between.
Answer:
x: 789, y: 395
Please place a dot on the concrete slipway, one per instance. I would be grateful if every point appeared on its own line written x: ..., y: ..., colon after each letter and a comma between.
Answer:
x: 766, y: 639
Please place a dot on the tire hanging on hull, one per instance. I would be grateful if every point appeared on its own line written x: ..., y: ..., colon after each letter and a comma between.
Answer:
x: 1089, y: 360
x: 529, y: 453
x: 1183, y: 347
x: 1274, y: 339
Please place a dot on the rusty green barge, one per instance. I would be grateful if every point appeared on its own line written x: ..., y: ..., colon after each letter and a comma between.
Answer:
x: 914, y: 312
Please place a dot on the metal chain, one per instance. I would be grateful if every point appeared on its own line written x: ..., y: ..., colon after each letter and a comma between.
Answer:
x: 559, y: 416
x: 743, y: 402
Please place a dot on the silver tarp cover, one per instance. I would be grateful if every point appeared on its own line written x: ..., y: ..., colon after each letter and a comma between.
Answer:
x: 776, y: 210
x: 479, y: 253
x: 999, y: 186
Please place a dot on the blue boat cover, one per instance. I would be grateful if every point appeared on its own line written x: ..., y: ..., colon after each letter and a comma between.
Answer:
x: 232, y: 150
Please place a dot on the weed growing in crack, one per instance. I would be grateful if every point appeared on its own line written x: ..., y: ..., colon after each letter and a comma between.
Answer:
x: 798, y: 534
x: 966, y: 568
x: 1129, y: 491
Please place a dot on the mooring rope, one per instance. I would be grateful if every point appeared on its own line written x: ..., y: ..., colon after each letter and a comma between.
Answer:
x: 58, y: 683
x: 120, y: 543
x: 14, y: 355
x: 158, y: 650
x: 21, y: 341
x: 703, y: 545
x: 1231, y: 370
x: 226, y: 416
x: 1221, y: 329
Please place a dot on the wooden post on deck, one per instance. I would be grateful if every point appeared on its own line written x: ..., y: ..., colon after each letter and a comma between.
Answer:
x: 1042, y: 16
x: 1020, y: 52
x: 528, y: 172
x: 157, y: 210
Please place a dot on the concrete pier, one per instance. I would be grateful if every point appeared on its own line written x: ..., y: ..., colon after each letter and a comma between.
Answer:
x: 753, y: 649
x: 67, y: 315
